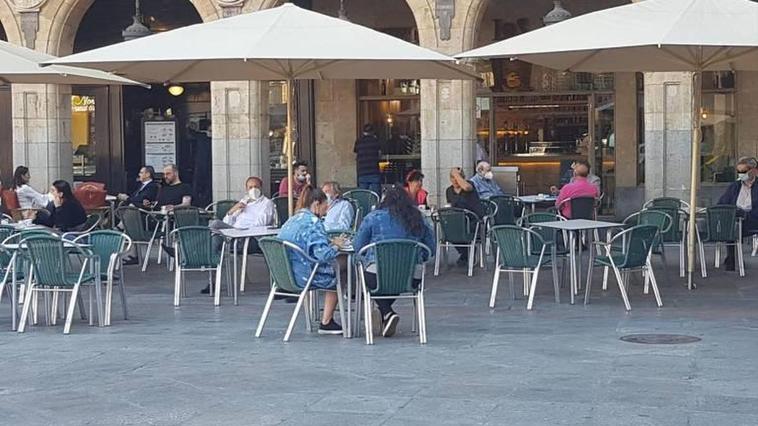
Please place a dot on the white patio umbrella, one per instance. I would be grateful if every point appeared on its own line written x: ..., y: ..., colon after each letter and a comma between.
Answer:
x: 21, y: 65
x: 651, y: 35
x: 283, y: 43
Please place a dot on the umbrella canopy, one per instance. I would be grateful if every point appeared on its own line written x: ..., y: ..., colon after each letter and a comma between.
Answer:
x: 21, y: 65
x: 652, y: 35
x: 282, y: 43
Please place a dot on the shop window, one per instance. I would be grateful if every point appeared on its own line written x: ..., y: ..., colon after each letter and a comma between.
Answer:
x: 83, y: 135
x: 719, y: 127
x: 277, y: 129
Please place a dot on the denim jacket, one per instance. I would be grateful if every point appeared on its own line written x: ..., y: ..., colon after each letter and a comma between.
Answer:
x: 379, y: 225
x: 306, y: 230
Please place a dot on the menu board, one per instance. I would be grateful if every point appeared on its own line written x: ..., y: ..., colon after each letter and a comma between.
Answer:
x: 160, y: 143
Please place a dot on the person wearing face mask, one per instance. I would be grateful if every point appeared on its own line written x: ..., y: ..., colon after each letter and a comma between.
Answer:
x: 301, y: 178
x: 484, y: 181
x: 254, y: 209
x: 340, y: 215
x: 744, y: 194
x: 306, y: 230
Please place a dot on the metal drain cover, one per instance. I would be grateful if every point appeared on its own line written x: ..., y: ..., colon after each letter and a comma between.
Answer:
x: 660, y: 339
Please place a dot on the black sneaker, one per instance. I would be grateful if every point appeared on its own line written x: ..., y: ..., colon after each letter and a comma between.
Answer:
x: 206, y: 290
x: 331, y: 328
x: 730, y: 264
x: 130, y: 261
x: 389, y: 325
x: 169, y: 250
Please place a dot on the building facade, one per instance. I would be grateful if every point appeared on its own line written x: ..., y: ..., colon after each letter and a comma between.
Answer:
x: 633, y: 128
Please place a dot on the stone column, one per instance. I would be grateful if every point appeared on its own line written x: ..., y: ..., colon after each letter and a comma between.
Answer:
x: 668, y: 134
x: 42, y: 132
x: 336, y: 123
x: 628, y: 196
x: 240, y: 136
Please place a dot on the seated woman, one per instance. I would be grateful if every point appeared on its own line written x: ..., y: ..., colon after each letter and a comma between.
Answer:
x: 306, y: 230
x: 66, y: 213
x: 414, y: 185
x: 397, y: 217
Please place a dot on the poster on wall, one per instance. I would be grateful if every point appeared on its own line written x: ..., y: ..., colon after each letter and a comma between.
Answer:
x: 160, y: 143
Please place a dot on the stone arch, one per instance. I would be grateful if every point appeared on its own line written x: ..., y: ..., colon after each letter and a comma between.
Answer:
x: 10, y: 24
x: 60, y: 19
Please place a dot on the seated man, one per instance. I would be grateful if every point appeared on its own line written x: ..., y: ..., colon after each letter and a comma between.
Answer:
x: 146, y: 193
x: 484, y: 181
x: 579, y: 186
x: 174, y: 192
x: 462, y: 194
x: 744, y: 195
x: 340, y: 215
x: 300, y: 178
x: 591, y: 177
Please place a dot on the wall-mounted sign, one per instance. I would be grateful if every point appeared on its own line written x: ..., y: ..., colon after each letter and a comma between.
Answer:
x: 160, y: 143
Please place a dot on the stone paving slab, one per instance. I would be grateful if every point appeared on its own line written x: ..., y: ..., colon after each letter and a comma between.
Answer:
x: 559, y: 364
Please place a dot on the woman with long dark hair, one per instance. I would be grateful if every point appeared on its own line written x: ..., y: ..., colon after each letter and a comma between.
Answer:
x: 397, y: 217
x: 67, y: 213
x: 306, y: 230
x: 28, y: 197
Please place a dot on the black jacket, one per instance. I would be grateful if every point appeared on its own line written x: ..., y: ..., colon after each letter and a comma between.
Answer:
x: 730, y: 197
x: 148, y: 192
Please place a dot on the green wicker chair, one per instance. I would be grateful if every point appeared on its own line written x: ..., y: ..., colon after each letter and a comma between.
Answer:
x: 138, y: 228
x: 721, y: 229
x: 277, y: 254
x: 676, y: 235
x: 457, y: 228
x: 367, y: 201
x: 509, y: 210
x: 193, y: 246
x: 281, y: 204
x: 638, y: 243
x: 219, y: 209
x: 398, y: 263
x: 515, y: 254
x: 6, y: 259
x: 52, y: 272
x: 489, y: 208
x: 187, y: 216
x: 109, y: 247
x: 555, y: 240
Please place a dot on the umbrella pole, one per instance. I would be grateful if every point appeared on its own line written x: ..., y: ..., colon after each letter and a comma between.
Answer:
x: 289, y: 144
x: 697, y: 85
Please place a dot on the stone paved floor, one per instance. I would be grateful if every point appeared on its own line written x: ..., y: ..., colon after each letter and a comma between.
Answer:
x: 559, y: 364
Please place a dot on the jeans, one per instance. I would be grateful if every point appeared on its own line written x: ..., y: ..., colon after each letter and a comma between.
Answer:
x: 370, y: 182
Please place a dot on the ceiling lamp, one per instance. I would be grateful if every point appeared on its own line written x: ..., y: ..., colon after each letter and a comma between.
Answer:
x: 558, y: 14
x: 176, y: 90
x: 137, y: 29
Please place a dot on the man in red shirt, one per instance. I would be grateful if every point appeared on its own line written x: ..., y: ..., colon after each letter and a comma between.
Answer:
x: 301, y: 177
x: 580, y: 186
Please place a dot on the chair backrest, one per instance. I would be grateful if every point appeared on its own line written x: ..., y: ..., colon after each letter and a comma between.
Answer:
x: 666, y: 202
x: 92, y: 222
x: 583, y: 208
x: 396, y: 262
x: 196, y: 247
x: 549, y: 235
x: 721, y: 223
x: 186, y: 216
x: 357, y: 213
x: 105, y: 244
x: 47, y: 257
x: 489, y: 208
x: 367, y: 200
x: 10, y: 199
x: 513, y: 244
x: 457, y: 226
x: 5, y: 256
x: 91, y: 195
x: 221, y: 208
x: 133, y: 221
x: 281, y: 204
x: 509, y: 209
x: 638, y: 241
x: 276, y: 252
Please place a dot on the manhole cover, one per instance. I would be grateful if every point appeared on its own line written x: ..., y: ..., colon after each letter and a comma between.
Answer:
x: 660, y: 339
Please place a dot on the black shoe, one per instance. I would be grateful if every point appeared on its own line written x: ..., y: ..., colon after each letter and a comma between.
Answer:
x: 389, y: 325
x: 331, y: 328
x: 169, y: 250
x: 729, y: 264
x: 206, y: 290
x: 293, y: 298
x: 130, y: 261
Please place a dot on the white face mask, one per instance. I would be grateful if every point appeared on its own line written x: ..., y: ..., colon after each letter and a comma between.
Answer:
x: 489, y: 175
x: 743, y: 177
x: 254, y: 193
x: 301, y: 178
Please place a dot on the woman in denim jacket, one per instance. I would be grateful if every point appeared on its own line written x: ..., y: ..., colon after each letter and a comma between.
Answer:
x: 397, y: 217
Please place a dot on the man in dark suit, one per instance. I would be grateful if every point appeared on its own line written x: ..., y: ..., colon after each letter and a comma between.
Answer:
x: 146, y: 192
x: 744, y: 194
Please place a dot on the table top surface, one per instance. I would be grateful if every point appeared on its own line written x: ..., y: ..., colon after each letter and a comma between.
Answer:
x: 111, y: 198
x: 258, y: 231
x: 529, y: 199
x: 578, y: 224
